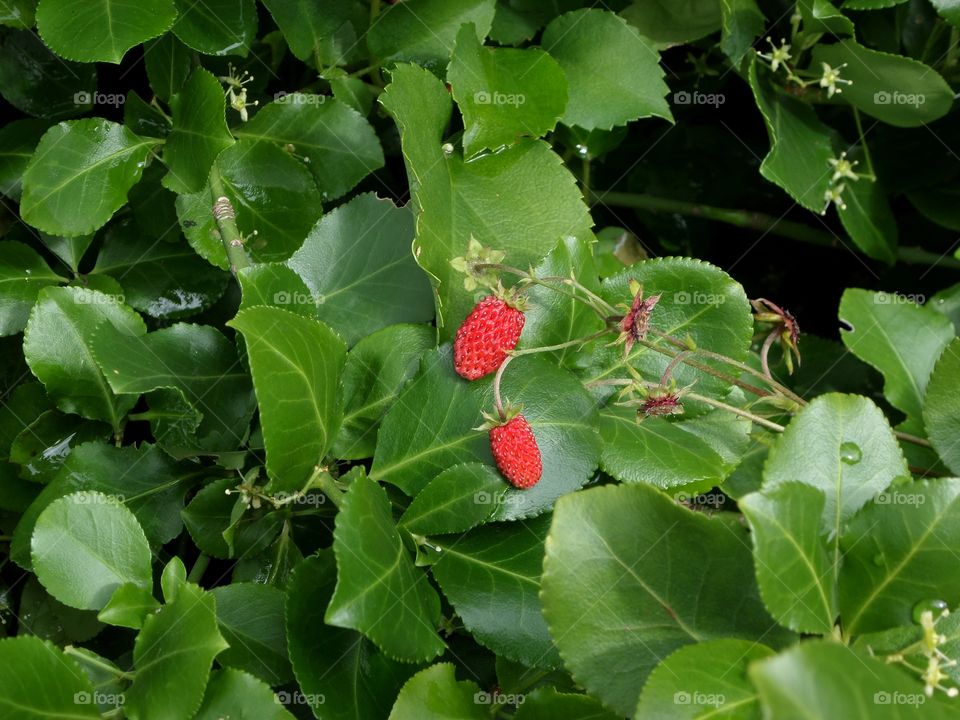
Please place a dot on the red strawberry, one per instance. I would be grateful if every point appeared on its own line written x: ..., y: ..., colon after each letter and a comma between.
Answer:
x: 516, y: 452
x: 490, y: 331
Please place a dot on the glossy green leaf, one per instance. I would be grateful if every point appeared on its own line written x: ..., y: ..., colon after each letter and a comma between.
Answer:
x: 323, y: 35
x: 820, y: 16
x: 398, y: 34
x: 354, y: 680
x: 892, y: 88
x: 868, y: 219
x: 742, y: 23
x: 696, y: 454
x: 39, y: 83
x: 199, y: 132
x: 675, y: 22
x: 272, y: 194
x: 822, y: 680
x: 899, y: 338
x: 175, y: 649
x: 23, y: 274
x: 296, y: 364
x: 86, y: 545
x: 800, y: 145
x: 337, y: 144
x: 796, y: 571
x: 614, y: 597
x: 504, y: 93
x: 46, y: 617
x: 80, y: 174
x: 69, y: 249
x: 456, y: 500
x: 613, y: 72
x: 217, y: 27
x: 431, y: 427
x: 18, y: 140
x: 519, y: 201
x: 842, y: 445
x: 545, y: 703
x: 899, y: 551
x: 42, y: 446
x: 57, y: 345
x: 236, y: 695
x: 358, y: 292
x: 491, y: 576
x: 213, y: 517
x: 704, y: 680
x: 376, y: 370
x: 436, y: 694
x: 101, y: 31
x: 168, y: 62
x: 252, y: 622
x: 129, y: 605
x: 949, y: 10
x: 379, y: 591
x: 941, y: 406
x: 39, y: 681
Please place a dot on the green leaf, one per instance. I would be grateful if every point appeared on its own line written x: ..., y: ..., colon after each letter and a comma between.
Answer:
x: 819, y: 16
x: 85, y: 546
x: 69, y: 249
x: 742, y: 23
x: 168, y: 62
x: 339, y: 146
x: 251, y: 620
x: 697, y: 300
x: 80, y: 175
x: 37, y: 82
x: 949, y: 10
x: 196, y: 365
x: 456, y: 500
x: 941, y: 406
x: 354, y: 679
x: 145, y: 119
x: 491, y: 576
x: 357, y: 293
x: 613, y: 72
x: 800, y: 145
x: 46, y: 617
x: 894, y: 89
x: 234, y: 694
x: 175, y: 649
x: 42, y: 446
x: 795, y: 571
x: 868, y: 219
x: 823, y: 680
x: 674, y: 22
x: 101, y: 31
x: 200, y: 132
x: 613, y: 596
x: 377, y: 368
x: 144, y: 479
x: 272, y: 194
x: 399, y: 33
x: 697, y: 454
x: 18, y: 13
x: 899, y: 551
x: 379, y: 591
x: 23, y: 274
x: 504, y: 93
x: 57, y: 345
x: 321, y: 35
x: 519, y: 201
x: 899, y: 338
x: 545, y: 703
x: 37, y: 680
x: 18, y: 140
x: 217, y: 27
x: 436, y: 694
x: 221, y: 525
x: 129, y: 605
x: 704, y: 680
x: 431, y: 427
x: 296, y: 365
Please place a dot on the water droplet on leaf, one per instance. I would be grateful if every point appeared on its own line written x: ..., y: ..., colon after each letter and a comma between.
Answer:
x: 850, y: 453
x: 934, y: 605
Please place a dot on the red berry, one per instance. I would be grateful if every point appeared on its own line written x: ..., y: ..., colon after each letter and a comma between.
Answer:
x: 490, y: 331
x: 516, y: 452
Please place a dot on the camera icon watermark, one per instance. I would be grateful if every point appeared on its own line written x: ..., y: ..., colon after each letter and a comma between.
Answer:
x: 296, y: 98
x: 298, y: 298
x: 87, y: 97
x: 495, y: 698
x: 89, y: 497
x: 102, y: 699
x: 100, y: 298
x: 895, y: 497
x: 896, y: 298
x: 895, y: 97
x: 485, y: 97
x: 711, y: 499
x: 698, y: 98
x: 898, y: 698
x: 296, y: 697
x: 684, y: 697
x: 698, y: 298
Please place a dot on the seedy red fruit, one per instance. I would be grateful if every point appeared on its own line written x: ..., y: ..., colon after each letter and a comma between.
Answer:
x: 516, y: 452
x: 490, y: 331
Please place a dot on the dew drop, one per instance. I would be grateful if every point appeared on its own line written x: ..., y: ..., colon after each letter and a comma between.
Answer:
x: 583, y: 150
x: 850, y: 453
x: 934, y: 605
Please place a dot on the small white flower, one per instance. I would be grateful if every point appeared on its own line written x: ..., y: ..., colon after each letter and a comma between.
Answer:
x: 843, y: 168
x: 830, y: 78
x: 834, y: 195
x: 778, y: 55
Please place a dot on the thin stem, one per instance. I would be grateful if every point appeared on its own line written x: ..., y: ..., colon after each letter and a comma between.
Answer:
x: 329, y: 487
x: 199, y: 568
x: 497, y: 399
x: 765, y: 352
x: 761, y: 222
x: 582, y: 288
x: 226, y: 218
x: 863, y: 143
x: 769, y: 424
x: 708, y: 370
x: 907, y: 437
x: 677, y: 359
x: 585, y: 177
x: 596, y: 303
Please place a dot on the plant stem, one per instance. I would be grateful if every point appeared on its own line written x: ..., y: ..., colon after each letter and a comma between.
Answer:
x: 863, y: 143
x: 769, y: 424
x: 707, y: 369
x: 324, y: 481
x: 585, y: 177
x: 94, y: 662
x: 907, y: 437
x: 596, y: 303
x: 761, y: 222
x: 226, y: 218
x: 199, y: 568
x: 765, y: 352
